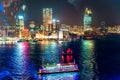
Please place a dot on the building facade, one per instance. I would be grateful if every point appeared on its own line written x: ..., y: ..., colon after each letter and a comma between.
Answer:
x: 47, y: 19
x: 87, y: 20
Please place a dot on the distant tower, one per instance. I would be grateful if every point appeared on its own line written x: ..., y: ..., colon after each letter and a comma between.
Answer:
x: 47, y: 18
x: 20, y: 21
x: 87, y: 20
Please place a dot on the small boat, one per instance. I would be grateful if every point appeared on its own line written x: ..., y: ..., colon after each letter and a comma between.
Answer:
x: 59, y: 68
x: 88, y: 38
x: 22, y: 40
x: 33, y: 41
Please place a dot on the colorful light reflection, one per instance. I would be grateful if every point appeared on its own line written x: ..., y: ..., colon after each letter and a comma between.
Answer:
x: 61, y: 76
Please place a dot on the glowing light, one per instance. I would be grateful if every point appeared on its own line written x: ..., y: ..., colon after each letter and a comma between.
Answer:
x: 63, y: 59
x: 63, y: 76
x: 68, y: 59
x: 88, y: 11
x: 60, y: 34
x: 54, y: 20
x: 20, y: 17
x: 20, y: 46
x: 69, y: 50
x: 71, y: 57
x: 4, y: 74
x: 63, y: 52
x: 50, y: 22
x: 1, y: 7
x: 58, y: 21
x: 23, y: 7
x: 89, y: 43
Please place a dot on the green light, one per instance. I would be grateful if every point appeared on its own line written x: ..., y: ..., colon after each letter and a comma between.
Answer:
x: 54, y: 20
x: 23, y: 7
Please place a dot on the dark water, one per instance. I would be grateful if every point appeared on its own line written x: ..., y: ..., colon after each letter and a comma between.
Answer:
x: 96, y: 59
x: 108, y: 59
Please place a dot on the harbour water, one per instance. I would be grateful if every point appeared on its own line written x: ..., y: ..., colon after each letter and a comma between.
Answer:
x: 96, y: 59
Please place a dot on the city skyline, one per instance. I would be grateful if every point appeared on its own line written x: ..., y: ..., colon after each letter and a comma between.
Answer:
x: 71, y: 11
x: 59, y: 40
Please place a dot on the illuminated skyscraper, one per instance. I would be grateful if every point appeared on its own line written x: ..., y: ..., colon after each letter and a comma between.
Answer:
x: 20, y: 21
x: 87, y: 20
x: 47, y: 18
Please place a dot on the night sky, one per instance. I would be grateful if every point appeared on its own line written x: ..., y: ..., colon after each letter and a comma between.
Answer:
x: 71, y: 11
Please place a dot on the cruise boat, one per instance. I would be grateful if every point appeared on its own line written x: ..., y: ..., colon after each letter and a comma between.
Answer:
x: 59, y: 68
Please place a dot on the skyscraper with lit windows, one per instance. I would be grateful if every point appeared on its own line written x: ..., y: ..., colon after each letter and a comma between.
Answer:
x: 87, y: 20
x: 47, y: 19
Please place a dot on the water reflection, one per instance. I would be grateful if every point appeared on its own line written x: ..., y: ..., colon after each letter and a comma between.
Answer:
x: 61, y: 76
x: 23, y: 60
x: 88, y: 60
x: 50, y: 53
x: 23, y: 67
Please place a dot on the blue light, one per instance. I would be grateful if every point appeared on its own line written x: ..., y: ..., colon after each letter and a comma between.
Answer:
x: 54, y: 20
x: 1, y: 8
x: 61, y: 76
x: 20, y: 17
x: 58, y: 20
x: 4, y: 74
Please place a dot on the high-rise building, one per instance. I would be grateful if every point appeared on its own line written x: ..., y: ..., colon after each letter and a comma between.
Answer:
x: 87, y: 20
x: 20, y: 21
x: 47, y: 19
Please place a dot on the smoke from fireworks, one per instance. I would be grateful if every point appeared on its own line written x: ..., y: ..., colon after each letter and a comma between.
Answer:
x: 74, y: 2
x: 6, y: 3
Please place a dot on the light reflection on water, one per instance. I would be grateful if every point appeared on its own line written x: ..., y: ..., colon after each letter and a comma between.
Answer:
x: 50, y: 53
x: 23, y: 65
x: 25, y: 59
x: 88, y: 60
x: 61, y: 76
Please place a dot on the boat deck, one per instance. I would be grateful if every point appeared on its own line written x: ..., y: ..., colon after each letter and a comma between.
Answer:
x: 59, y: 69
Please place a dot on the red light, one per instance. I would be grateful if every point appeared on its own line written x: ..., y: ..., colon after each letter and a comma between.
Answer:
x: 63, y: 59
x: 71, y: 51
x: 63, y: 52
x: 68, y: 51
x: 68, y: 59
x: 71, y: 58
